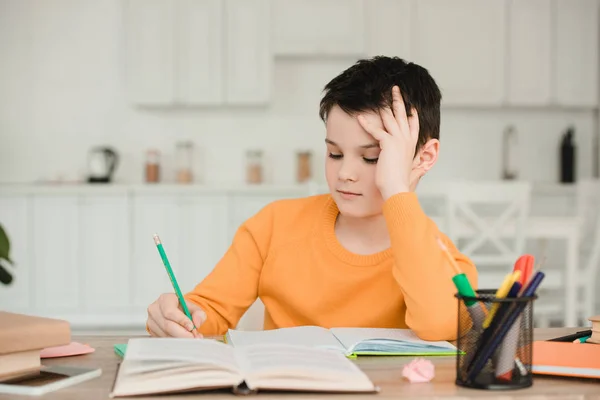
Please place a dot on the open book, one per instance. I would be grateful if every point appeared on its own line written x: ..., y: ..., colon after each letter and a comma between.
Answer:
x: 167, y: 365
x: 349, y: 341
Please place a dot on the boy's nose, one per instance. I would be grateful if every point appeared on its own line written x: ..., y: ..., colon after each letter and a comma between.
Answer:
x: 347, y: 172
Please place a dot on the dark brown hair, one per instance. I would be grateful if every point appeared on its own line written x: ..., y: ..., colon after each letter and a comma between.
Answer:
x: 367, y: 86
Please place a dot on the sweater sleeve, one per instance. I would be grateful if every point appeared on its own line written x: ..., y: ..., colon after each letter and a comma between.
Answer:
x: 232, y: 286
x: 421, y: 269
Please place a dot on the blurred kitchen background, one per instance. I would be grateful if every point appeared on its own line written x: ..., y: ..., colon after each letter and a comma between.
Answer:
x: 122, y: 118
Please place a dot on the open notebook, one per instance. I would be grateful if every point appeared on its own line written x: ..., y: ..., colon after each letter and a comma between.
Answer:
x: 168, y: 365
x: 349, y: 341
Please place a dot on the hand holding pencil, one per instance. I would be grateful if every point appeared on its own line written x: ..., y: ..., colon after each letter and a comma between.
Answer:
x: 167, y: 319
x: 171, y: 315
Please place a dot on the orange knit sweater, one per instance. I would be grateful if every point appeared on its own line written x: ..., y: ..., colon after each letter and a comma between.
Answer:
x: 288, y: 255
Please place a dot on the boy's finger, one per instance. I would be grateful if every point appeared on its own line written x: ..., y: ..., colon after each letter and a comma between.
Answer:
x: 413, y: 124
x: 389, y: 122
x: 175, y: 329
x: 378, y: 134
x: 155, y: 329
x: 199, y: 317
x: 178, y: 317
x: 399, y: 109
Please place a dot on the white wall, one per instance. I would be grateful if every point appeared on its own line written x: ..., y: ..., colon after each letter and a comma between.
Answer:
x: 62, y: 91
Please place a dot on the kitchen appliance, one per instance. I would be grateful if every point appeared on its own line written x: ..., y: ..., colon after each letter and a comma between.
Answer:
x: 102, y: 162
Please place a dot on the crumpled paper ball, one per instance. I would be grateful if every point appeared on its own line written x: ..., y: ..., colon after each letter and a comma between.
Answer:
x: 419, y: 370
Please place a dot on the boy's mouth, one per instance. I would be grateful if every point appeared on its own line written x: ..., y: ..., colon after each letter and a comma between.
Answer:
x: 345, y: 193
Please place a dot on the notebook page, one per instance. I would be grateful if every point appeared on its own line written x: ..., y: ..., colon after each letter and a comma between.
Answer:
x: 178, y: 350
x: 312, y: 336
x: 350, y: 337
x: 279, y: 366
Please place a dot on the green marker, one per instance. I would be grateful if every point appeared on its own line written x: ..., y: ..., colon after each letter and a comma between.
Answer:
x: 165, y: 260
x: 476, y: 310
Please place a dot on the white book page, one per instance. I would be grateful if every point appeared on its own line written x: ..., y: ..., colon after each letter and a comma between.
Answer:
x: 160, y: 365
x: 178, y: 351
x: 299, y: 367
x: 312, y: 336
x: 350, y: 337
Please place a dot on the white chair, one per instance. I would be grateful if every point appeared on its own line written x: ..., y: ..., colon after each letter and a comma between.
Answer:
x: 486, y: 221
x: 587, y: 201
x: 588, y: 213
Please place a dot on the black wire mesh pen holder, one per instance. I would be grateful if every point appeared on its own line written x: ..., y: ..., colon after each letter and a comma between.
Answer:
x: 497, y: 356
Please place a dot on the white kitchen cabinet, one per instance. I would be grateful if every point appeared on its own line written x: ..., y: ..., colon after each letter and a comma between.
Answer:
x: 576, y: 53
x: 174, y: 52
x: 199, y: 44
x: 249, y: 58
x: 161, y: 215
x: 318, y: 28
x: 461, y: 43
x: 150, y: 51
x: 15, y: 219
x: 387, y: 28
x: 529, y: 52
x: 205, y: 237
x: 105, y: 253
x: 193, y: 230
x: 56, y: 239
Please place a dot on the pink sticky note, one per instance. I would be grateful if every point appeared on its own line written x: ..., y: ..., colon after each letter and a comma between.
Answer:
x: 72, y: 349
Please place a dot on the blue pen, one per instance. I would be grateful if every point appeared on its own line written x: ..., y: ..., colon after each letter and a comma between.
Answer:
x: 487, y: 352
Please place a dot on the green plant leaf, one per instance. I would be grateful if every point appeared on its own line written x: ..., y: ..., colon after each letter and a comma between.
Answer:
x: 4, y: 246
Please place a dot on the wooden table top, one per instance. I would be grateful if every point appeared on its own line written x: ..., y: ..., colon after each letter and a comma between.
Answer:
x: 385, y: 372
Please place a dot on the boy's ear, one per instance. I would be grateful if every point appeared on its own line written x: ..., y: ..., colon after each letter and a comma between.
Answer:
x: 427, y: 155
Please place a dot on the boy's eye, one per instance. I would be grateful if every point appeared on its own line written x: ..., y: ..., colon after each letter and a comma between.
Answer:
x: 335, y: 156
x: 370, y: 160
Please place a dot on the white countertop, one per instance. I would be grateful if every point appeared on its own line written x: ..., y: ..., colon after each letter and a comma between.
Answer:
x: 154, y: 188
x: 539, y: 188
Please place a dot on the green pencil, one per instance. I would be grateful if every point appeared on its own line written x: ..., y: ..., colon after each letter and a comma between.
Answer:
x: 165, y: 260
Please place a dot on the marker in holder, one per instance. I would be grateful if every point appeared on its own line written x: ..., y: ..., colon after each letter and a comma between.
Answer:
x: 485, y: 355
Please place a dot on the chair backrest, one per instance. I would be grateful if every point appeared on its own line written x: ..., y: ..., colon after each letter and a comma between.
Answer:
x: 487, y: 220
x: 588, y: 214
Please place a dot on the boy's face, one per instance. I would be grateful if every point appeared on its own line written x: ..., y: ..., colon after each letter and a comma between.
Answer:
x: 350, y: 165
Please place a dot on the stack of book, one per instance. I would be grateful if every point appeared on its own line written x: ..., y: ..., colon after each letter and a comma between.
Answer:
x: 22, y: 337
x: 595, y: 338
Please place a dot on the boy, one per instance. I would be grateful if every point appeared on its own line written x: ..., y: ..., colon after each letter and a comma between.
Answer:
x: 364, y: 255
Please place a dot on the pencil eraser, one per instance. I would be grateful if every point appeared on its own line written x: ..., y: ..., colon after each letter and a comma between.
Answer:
x: 419, y: 370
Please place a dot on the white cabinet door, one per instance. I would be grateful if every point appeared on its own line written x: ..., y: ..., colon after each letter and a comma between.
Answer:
x: 150, y: 51
x: 56, y: 244
x: 205, y: 239
x: 193, y: 230
x: 249, y: 56
x: 318, y: 27
x: 154, y: 214
x: 15, y: 219
x: 529, y: 52
x: 461, y: 43
x: 388, y: 25
x: 199, y: 54
x: 105, y: 254
x: 576, y: 54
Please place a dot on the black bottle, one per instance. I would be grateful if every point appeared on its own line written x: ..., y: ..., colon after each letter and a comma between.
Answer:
x: 567, y: 157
